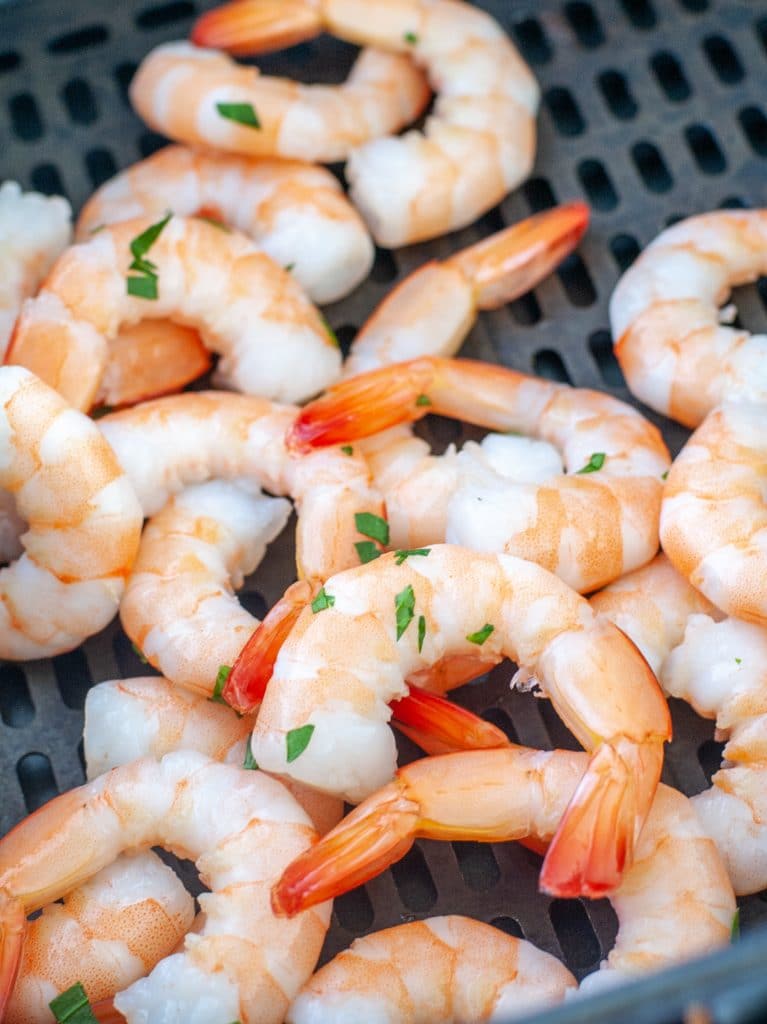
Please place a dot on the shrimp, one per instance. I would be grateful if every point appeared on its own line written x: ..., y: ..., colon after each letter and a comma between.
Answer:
x: 719, y: 665
x: 372, y: 627
x: 240, y: 827
x: 83, y: 522
x: 713, y: 524
x: 433, y: 309
x: 589, y: 526
x: 467, y: 972
x: 202, y: 97
x: 297, y: 213
x: 674, y: 903
x: 479, y: 142
x: 671, y: 338
x: 34, y: 231
x: 241, y: 301
x: 106, y: 934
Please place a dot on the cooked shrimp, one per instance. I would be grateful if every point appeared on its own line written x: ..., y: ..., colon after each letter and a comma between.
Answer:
x: 467, y: 972
x: 202, y: 97
x: 34, y: 231
x: 207, y: 435
x: 244, y: 305
x: 296, y: 212
x: 478, y: 143
x: 720, y: 668
x: 671, y: 338
x: 106, y: 934
x: 83, y: 522
x: 589, y: 526
x: 240, y: 827
x: 433, y: 309
x: 674, y: 903
x: 372, y: 627
x: 713, y: 524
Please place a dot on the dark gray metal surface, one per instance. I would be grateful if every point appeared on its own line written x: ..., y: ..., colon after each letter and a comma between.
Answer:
x: 651, y: 111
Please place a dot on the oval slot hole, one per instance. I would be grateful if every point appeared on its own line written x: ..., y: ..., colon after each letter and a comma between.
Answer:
x: 164, y: 14
x: 670, y: 76
x: 754, y: 125
x: 596, y: 181
x: 548, y: 363
x: 652, y: 167
x: 526, y: 310
x: 577, y: 281
x: 575, y: 933
x: 354, y: 911
x: 477, y: 864
x: 705, y: 149
x: 25, y: 117
x: 625, y: 250
x: 539, y: 194
x: 585, y: 24
x: 36, y: 780
x: 617, y: 94
x: 16, y: 707
x: 46, y: 178
x: 723, y: 59
x: 414, y: 882
x: 533, y: 41
x: 564, y: 111
x: 601, y: 346
x: 640, y: 13
x: 73, y: 677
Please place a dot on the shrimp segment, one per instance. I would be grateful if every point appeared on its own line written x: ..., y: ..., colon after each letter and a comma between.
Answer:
x: 180, y: 90
x: 589, y: 526
x: 344, y: 662
x: 432, y: 310
x: 13, y: 923
x: 239, y: 299
x: 478, y: 143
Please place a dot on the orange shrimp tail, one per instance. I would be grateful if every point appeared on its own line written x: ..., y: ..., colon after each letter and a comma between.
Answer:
x: 439, y: 726
x: 594, y: 843
x: 511, y: 262
x: 13, y: 926
x: 246, y: 686
x: 105, y: 1013
x: 256, y: 26
x: 378, y: 833
x: 365, y: 405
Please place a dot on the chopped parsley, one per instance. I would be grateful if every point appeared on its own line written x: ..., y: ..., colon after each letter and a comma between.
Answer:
x: 242, y: 113
x: 596, y: 462
x: 423, y: 400
x: 411, y: 38
x: 250, y: 762
x: 290, y: 266
x: 404, y: 605
x: 367, y: 551
x: 421, y: 632
x: 664, y: 476
x: 347, y: 449
x: 140, y: 654
x: 297, y: 740
x: 322, y: 601
x: 218, y: 687
x: 372, y: 526
x: 738, y: 661
x: 481, y: 635
x: 735, y: 926
x: 72, y: 1007
x: 403, y: 553
x: 143, y: 284
x: 331, y: 333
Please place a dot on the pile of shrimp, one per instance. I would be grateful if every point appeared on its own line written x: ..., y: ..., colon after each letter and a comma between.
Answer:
x: 123, y: 494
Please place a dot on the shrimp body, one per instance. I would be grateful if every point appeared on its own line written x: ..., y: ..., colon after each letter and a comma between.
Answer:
x: 467, y: 972
x: 241, y: 828
x: 180, y: 90
x: 479, y: 141
x: 241, y: 301
x: 34, y: 231
x: 350, y: 653
x: 713, y: 524
x: 677, y: 354
x: 588, y: 525
x: 83, y: 522
x: 106, y: 934
x: 295, y: 212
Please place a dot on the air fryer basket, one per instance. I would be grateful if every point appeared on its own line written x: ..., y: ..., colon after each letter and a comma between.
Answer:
x: 652, y: 110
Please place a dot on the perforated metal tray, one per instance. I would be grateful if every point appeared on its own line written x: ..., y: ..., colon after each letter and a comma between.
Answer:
x: 651, y: 111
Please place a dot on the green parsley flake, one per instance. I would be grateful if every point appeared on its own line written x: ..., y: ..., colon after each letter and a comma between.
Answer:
x: 347, y: 449
x: 421, y: 632
x: 404, y: 604
x: 297, y: 740
x: 250, y: 762
x: 664, y: 476
x: 140, y: 654
x: 331, y: 333
x: 403, y: 553
x: 215, y: 222
x: 372, y: 526
x: 290, y: 266
x: 596, y: 462
x: 322, y: 601
x: 367, y: 551
x: 735, y: 926
x: 423, y: 400
x: 73, y: 1007
x: 738, y: 661
x: 410, y: 37
x: 144, y: 287
x: 143, y: 284
x: 243, y: 113
x: 481, y: 635
x: 218, y: 688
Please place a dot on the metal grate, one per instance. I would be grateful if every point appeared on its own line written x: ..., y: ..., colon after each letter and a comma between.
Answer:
x: 651, y: 111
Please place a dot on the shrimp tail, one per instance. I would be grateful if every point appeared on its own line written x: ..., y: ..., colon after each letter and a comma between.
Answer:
x: 595, y: 839
x: 13, y: 926
x: 439, y: 726
x: 377, y: 834
x: 257, y: 26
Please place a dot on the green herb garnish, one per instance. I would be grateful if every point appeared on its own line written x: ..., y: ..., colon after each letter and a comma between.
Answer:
x: 331, y: 333
x: 404, y: 604
x: 735, y: 926
x: 216, y: 223
x: 664, y: 476
x: 403, y: 553
x: 596, y: 462
x: 250, y: 762
x: 372, y: 526
x: 347, y: 449
x: 143, y: 284
x: 423, y: 400
x: 297, y: 740
x: 242, y: 113
x: 367, y: 551
x: 218, y: 687
x: 140, y: 654
x: 322, y: 601
x: 421, y: 632
x: 738, y: 661
x: 410, y: 37
x: 481, y: 635
x: 73, y: 1007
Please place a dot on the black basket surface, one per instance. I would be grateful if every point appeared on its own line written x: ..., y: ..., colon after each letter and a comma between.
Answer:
x: 652, y: 110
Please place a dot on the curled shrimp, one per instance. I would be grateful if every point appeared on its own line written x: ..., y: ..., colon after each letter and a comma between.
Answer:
x: 468, y: 972
x: 671, y: 338
x: 297, y: 213
x: 675, y: 902
x: 106, y: 934
x: 202, y: 97
x: 479, y: 141
x: 370, y: 628
x: 240, y: 827
x: 239, y: 299
x: 83, y: 522
x: 589, y: 526
x: 713, y: 523
x: 34, y: 231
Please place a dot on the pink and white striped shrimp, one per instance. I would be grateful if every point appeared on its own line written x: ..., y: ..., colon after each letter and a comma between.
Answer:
x: 82, y: 522
x: 673, y: 903
x: 297, y: 213
x: 106, y: 934
x: 589, y: 525
x: 204, y: 98
x: 241, y: 301
x: 468, y: 972
x: 240, y: 827
x: 479, y: 141
x: 671, y: 337
x: 402, y: 615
